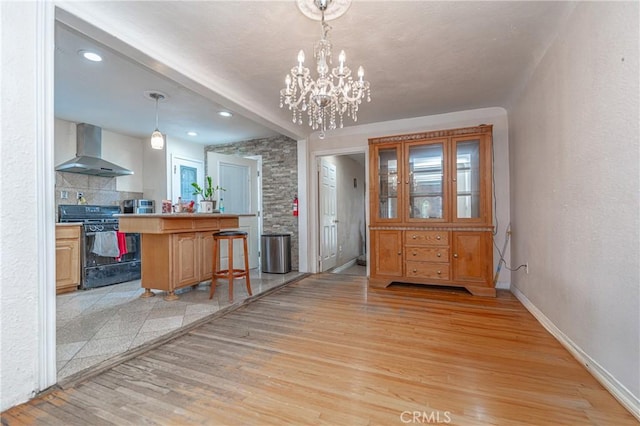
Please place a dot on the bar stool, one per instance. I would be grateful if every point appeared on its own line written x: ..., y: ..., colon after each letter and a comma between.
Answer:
x: 230, y: 273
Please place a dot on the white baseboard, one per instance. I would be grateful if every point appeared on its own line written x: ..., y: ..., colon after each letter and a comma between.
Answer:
x: 503, y: 285
x: 347, y: 265
x: 617, y: 389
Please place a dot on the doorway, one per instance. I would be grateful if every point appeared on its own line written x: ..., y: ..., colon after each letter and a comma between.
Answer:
x: 240, y: 177
x: 342, y: 213
x: 184, y: 172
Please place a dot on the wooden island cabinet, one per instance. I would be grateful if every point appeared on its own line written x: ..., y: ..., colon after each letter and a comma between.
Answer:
x: 431, y: 215
x: 176, y: 248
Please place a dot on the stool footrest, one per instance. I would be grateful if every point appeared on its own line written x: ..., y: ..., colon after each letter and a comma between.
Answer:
x: 236, y: 273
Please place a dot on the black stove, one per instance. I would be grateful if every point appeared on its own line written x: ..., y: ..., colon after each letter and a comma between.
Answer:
x: 85, y: 213
x: 108, y: 257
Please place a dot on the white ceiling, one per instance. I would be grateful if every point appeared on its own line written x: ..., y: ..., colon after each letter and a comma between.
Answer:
x: 422, y: 58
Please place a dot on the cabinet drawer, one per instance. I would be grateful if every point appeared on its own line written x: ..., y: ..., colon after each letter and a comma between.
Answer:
x: 177, y: 224
x: 439, y: 271
x: 439, y: 238
x: 428, y: 254
x: 207, y: 224
x: 67, y: 232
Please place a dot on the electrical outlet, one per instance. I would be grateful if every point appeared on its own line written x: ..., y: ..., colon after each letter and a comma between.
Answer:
x: 526, y: 268
x: 64, y: 195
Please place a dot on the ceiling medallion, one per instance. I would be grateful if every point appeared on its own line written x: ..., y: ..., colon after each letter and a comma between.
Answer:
x: 312, y: 11
x: 333, y: 93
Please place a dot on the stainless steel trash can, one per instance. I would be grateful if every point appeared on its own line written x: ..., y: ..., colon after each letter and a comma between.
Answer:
x: 276, y: 253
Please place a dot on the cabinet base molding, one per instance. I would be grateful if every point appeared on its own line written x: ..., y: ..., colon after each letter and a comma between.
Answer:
x: 378, y: 283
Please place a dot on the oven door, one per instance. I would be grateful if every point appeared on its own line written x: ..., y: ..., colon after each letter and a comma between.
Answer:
x: 109, y: 258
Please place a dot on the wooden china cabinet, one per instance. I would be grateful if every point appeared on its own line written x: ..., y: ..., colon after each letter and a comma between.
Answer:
x: 431, y: 218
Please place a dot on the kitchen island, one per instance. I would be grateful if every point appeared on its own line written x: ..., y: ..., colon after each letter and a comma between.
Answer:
x: 176, y: 247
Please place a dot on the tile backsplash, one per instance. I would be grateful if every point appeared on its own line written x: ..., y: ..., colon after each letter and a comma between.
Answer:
x: 95, y: 189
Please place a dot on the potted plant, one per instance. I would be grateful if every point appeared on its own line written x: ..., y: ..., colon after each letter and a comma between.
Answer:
x: 208, y: 204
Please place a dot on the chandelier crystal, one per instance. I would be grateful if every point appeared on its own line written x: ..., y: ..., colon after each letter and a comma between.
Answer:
x: 333, y: 94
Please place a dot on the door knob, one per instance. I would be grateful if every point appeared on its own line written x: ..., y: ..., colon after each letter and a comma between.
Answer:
x: 439, y: 255
x: 455, y: 255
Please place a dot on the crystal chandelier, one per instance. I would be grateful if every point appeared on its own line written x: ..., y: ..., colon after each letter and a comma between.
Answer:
x: 332, y: 95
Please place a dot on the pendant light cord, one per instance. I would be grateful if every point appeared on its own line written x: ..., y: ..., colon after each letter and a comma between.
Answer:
x: 156, y: 96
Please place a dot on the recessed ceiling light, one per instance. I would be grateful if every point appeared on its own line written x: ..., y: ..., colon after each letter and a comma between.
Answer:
x: 192, y: 134
x: 225, y: 114
x: 89, y: 55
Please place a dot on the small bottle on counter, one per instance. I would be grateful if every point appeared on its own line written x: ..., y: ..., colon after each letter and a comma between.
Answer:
x: 221, y: 206
x: 179, y: 205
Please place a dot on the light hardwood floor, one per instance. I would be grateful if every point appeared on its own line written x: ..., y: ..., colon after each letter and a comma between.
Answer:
x: 328, y: 350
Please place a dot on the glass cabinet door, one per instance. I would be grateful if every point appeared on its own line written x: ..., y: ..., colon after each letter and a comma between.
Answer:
x: 426, y: 181
x: 467, y: 179
x: 388, y: 190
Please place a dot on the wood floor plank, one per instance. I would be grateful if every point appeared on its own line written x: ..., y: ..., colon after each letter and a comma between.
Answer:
x: 328, y: 350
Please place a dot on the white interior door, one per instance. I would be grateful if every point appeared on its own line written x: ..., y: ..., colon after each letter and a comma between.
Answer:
x: 240, y: 178
x: 184, y: 171
x: 328, y: 215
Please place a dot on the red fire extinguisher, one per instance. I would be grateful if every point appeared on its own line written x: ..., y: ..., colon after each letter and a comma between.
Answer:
x: 295, y: 206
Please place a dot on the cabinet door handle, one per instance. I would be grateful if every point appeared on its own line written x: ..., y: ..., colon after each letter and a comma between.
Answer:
x: 414, y: 236
x: 399, y: 253
x: 439, y: 272
x: 415, y: 254
x: 439, y: 254
x: 455, y: 255
x: 415, y: 270
x: 437, y: 237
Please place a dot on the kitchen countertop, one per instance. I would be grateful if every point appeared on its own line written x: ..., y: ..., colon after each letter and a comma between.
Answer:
x: 69, y: 224
x: 182, y: 215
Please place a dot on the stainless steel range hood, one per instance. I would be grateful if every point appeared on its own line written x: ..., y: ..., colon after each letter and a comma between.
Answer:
x: 89, y: 155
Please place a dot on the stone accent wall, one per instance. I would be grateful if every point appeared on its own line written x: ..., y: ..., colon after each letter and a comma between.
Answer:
x: 279, y: 183
x: 96, y: 190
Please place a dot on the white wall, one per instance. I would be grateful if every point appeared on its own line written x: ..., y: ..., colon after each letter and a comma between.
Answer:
x: 185, y: 149
x: 123, y: 150
x: 26, y: 180
x: 356, y: 139
x: 575, y: 190
x: 155, y: 174
x: 157, y: 164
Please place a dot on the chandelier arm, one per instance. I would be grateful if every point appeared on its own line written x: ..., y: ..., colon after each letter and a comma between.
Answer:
x: 353, y: 99
x: 305, y: 90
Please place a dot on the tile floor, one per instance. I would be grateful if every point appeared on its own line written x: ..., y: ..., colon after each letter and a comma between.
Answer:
x: 94, y: 325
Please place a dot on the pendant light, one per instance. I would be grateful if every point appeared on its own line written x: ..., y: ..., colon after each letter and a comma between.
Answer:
x: 157, y: 140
